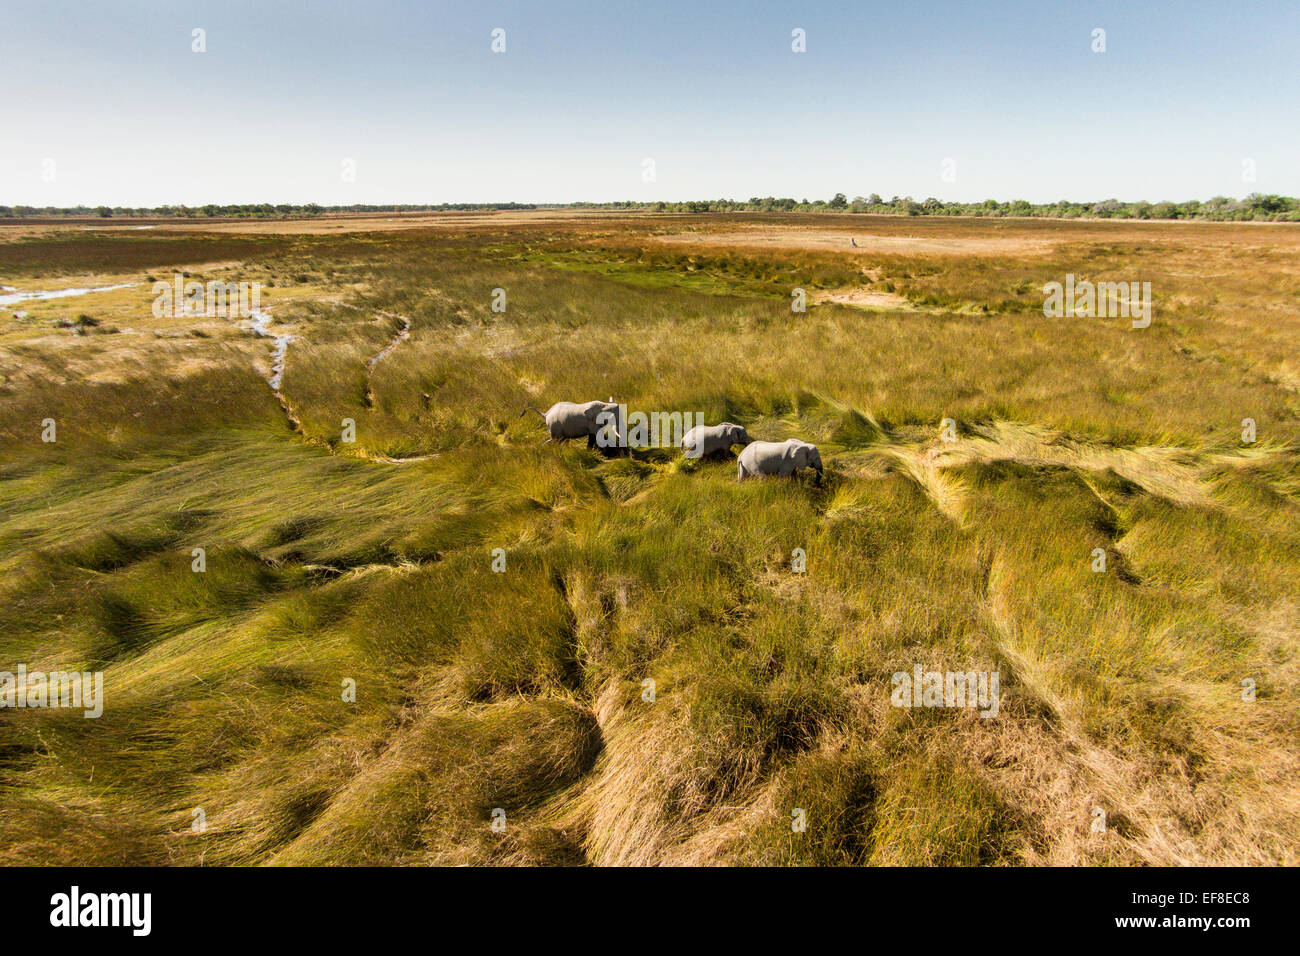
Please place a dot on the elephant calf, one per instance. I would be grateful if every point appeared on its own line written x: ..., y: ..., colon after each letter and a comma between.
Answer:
x: 778, y: 458
x: 705, y: 440
x: 565, y: 420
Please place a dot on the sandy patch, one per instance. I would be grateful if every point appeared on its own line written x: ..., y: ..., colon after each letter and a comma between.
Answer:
x: 864, y: 299
x: 864, y: 240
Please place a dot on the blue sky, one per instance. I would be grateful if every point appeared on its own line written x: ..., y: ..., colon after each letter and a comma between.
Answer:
x: 412, y: 94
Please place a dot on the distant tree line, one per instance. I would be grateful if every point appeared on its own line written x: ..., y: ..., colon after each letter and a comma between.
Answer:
x: 237, y: 211
x: 1256, y: 206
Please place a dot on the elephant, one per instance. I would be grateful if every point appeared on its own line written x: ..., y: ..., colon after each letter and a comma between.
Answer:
x: 778, y: 458
x: 565, y: 420
x: 705, y: 440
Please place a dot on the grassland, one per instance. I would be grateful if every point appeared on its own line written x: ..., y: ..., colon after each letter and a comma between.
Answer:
x: 370, y: 561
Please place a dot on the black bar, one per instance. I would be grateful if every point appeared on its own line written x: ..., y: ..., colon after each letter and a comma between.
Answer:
x: 943, y: 906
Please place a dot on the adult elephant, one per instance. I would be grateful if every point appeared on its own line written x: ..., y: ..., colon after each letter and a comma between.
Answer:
x: 783, y: 458
x: 566, y: 420
x: 705, y: 440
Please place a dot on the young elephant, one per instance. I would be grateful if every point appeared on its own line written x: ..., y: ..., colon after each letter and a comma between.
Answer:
x: 778, y: 458
x: 705, y: 440
x: 565, y: 420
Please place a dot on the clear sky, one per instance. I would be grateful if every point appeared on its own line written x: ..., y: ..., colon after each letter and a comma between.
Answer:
x: 1012, y: 93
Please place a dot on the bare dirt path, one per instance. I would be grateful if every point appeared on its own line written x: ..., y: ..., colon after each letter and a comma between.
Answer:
x: 368, y: 396
x: 402, y: 335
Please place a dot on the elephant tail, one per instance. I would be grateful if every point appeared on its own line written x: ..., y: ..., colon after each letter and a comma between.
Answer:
x: 530, y: 408
x: 740, y: 471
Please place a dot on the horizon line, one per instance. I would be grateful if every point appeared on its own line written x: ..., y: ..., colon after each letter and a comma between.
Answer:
x: 553, y: 204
